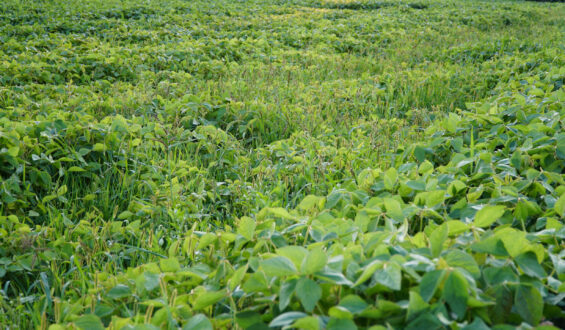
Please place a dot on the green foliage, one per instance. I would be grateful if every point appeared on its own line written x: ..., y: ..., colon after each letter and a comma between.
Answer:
x: 310, y: 164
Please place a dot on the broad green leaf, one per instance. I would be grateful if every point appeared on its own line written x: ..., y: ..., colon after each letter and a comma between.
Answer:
x: 208, y: 298
x: 150, y: 281
x: 255, y: 283
x: 560, y: 148
x: 285, y: 293
x: 515, y: 241
x: 281, y: 213
x: 500, y: 312
x: 429, y: 284
x: 99, y: 147
x: 456, y: 227
x: 488, y: 215
x: 434, y: 198
x: 315, y: 261
x: 169, y: 264
x: 420, y: 153
x: 529, y: 304
x: 426, y: 167
x: 368, y: 271
x: 207, y: 239
x: 119, y: 291
x: 455, y: 293
x: 389, y: 275
x: 237, y: 277
x: 286, y: 319
x: 309, y: 292
x: 499, y: 275
x: 89, y: 322
x: 425, y: 321
x: 76, y: 169
x: 125, y: 215
x: 458, y: 258
x: 62, y: 190
x: 307, y: 323
x: 390, y: 178
x: 528, y: 262
x: 477, y: 324
x: 247, y: 319
x: 341, y: 324
x: 278, y: 266
x: 339, y: 312
x: 393, y: 209
x: 310, y: 202
x: 559, y: 206
x: 198, y: 322
x: 246, y: 228
x: 491, y: 245
x: 437, y: 238
x: 416, y: 185
x: 416, y: 305
x: 353, y: 303
x: 333, y: 277
x: 296, y: 254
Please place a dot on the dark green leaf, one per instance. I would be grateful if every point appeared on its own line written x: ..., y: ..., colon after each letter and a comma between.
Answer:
x: 455, y: 293
x: 528, y: 262
x: 341, y: 324
x: 529, y: 304
x: 429, y: 284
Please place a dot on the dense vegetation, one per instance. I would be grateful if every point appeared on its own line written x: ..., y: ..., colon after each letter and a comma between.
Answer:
x: 311, y: 164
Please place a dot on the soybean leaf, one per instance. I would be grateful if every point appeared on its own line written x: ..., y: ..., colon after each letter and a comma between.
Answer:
x: 294, y: 253
x: 315, y: 261
x: 285, y: 293
x: 341, y: 324
x: 170, y: 264
x: 278, y: 266
x: 333, y: 277
x: 368, y: 271
x: 237, y: 277
x: 389, y: 275
x: 429, y: 284
x: 286, y: 319
x: 198, y: 322
x: 559, y: 206
x: 247, y: 319
x: 119, y: 291
x: 208, y: 298
x: 307, y: 323
x: 437, y: 238
x: 455, y: 293
x: 529, y: 304
x: 309, y: 292
x: 416, y: 305
x: 390, y: 178
x: 488, y: 215
x: 528, y: 262
x: 503, y: 303
x: 458, y: 258
x: 353, y: 303
x: 89, y: 322
x: 246, y: 228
